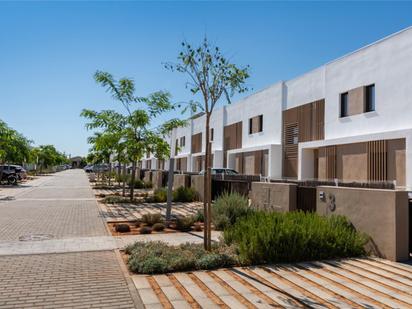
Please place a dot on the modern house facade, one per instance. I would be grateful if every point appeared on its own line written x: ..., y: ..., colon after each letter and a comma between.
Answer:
x: 349, y: 119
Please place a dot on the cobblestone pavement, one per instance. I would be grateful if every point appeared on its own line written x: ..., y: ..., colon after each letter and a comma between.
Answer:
x: 63, y: 207
x: 350, y: 283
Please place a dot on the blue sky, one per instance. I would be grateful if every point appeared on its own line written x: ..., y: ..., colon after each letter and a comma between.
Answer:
x: 50, y: 50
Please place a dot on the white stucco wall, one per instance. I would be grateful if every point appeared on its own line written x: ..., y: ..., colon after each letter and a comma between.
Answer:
x: 388, y: 65
x: 304, y: 89
x: 267, y: 102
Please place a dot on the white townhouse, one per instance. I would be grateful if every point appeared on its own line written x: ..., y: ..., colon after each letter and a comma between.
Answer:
x: 350, y: 119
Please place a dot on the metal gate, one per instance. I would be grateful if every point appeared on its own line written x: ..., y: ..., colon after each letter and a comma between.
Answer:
x: 306, y: 198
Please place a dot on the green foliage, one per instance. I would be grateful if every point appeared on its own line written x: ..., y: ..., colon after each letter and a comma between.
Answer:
x: 158, y: 227
x: 184, y: 195
x: 229, y: 208
x: 151, y: 219
x: 263, y: 237
x: 199, y: 216
x: 160, y: 195
x: 47, y: 156
x: 184, y: 224
x: 159, y: 257
x: 122, y: 228
x: 145, y: 230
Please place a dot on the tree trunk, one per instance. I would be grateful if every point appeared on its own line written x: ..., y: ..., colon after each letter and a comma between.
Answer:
x: 124, y: 179
x: 169, y: 189
x: 132, y: 180
x: 207, y: 190
x: 119, y: 173
x: 110, y: 174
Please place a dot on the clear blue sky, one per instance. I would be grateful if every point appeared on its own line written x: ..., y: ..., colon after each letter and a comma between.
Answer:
x: 50, y: 50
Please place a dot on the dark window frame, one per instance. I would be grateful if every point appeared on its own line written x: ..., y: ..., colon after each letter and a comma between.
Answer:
x: 212, y: 133
x: 343, y: 104
x: 370, y: 98
x: 258, y: 118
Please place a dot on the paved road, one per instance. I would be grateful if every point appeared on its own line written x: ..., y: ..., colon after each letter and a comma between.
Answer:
x: 63, y: 208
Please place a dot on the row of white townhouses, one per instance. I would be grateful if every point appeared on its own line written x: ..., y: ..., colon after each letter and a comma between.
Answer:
x: 350, y: 119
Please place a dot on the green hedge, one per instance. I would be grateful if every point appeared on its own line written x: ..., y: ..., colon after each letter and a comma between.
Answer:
x: 263, y: 237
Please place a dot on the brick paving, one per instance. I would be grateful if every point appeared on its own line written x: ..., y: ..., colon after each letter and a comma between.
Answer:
x: 78, y: 280
x: 350, y: 283
x: 60, y: 218
x: 64, y: 207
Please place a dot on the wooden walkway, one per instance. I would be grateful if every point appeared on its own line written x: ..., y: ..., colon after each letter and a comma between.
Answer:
x: 349, y: 283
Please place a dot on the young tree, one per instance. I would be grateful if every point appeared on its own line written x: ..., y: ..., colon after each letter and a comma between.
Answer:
x: 212, y: 76
x: 137, y: 132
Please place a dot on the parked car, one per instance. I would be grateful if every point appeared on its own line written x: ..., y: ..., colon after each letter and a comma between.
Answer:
x: 11, y: 174
x: 100, y: 168
x: 20, y: 172
x: 221, y: 171
x: 88, y: 168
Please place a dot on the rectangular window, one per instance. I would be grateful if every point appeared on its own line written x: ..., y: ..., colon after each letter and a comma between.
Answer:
x: 256, y: 124
x: 344, y: 104
x: 260, y: 123
x: 176, y: 147
x: 212, y: 131
x: 369, y: 98
x: 183, y: 141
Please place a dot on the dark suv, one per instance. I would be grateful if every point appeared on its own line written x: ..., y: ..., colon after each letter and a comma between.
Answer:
x: 12, y: 173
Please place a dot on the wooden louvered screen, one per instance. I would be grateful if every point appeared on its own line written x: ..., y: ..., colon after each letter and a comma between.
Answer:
x: 197, y: 143
x: 232, y: 139
x: 301, y: 124
x: 377, y: 160
x: 328, y: 168
x: 290, y: 149
x: 318, y: 120
x: 311, y: 121
x: 330, y: 162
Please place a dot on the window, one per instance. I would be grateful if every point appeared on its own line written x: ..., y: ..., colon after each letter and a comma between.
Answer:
x: 176, y: 147
x: 369, y: 98
x: 183, y: 141
x: 212, y: 131
x: 256, y: 124
x: 291, y: 134
x: 344, y: 104
x: 250, y: 125
x: 260, y: 127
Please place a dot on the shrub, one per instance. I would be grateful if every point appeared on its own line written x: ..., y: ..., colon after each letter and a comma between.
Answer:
x: 184, y: 195
x: 138, y: 184
x: 229, y: 208
x: 160, y: 195
x: 158, y: 227
x: 184, y: 224
x: 148, y: 184
x: 199, y: 216
x: 151, y: 219
x: 122, y: 228
x: 145, y: 230
x: 263, y: 237
x: 159, y: 257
